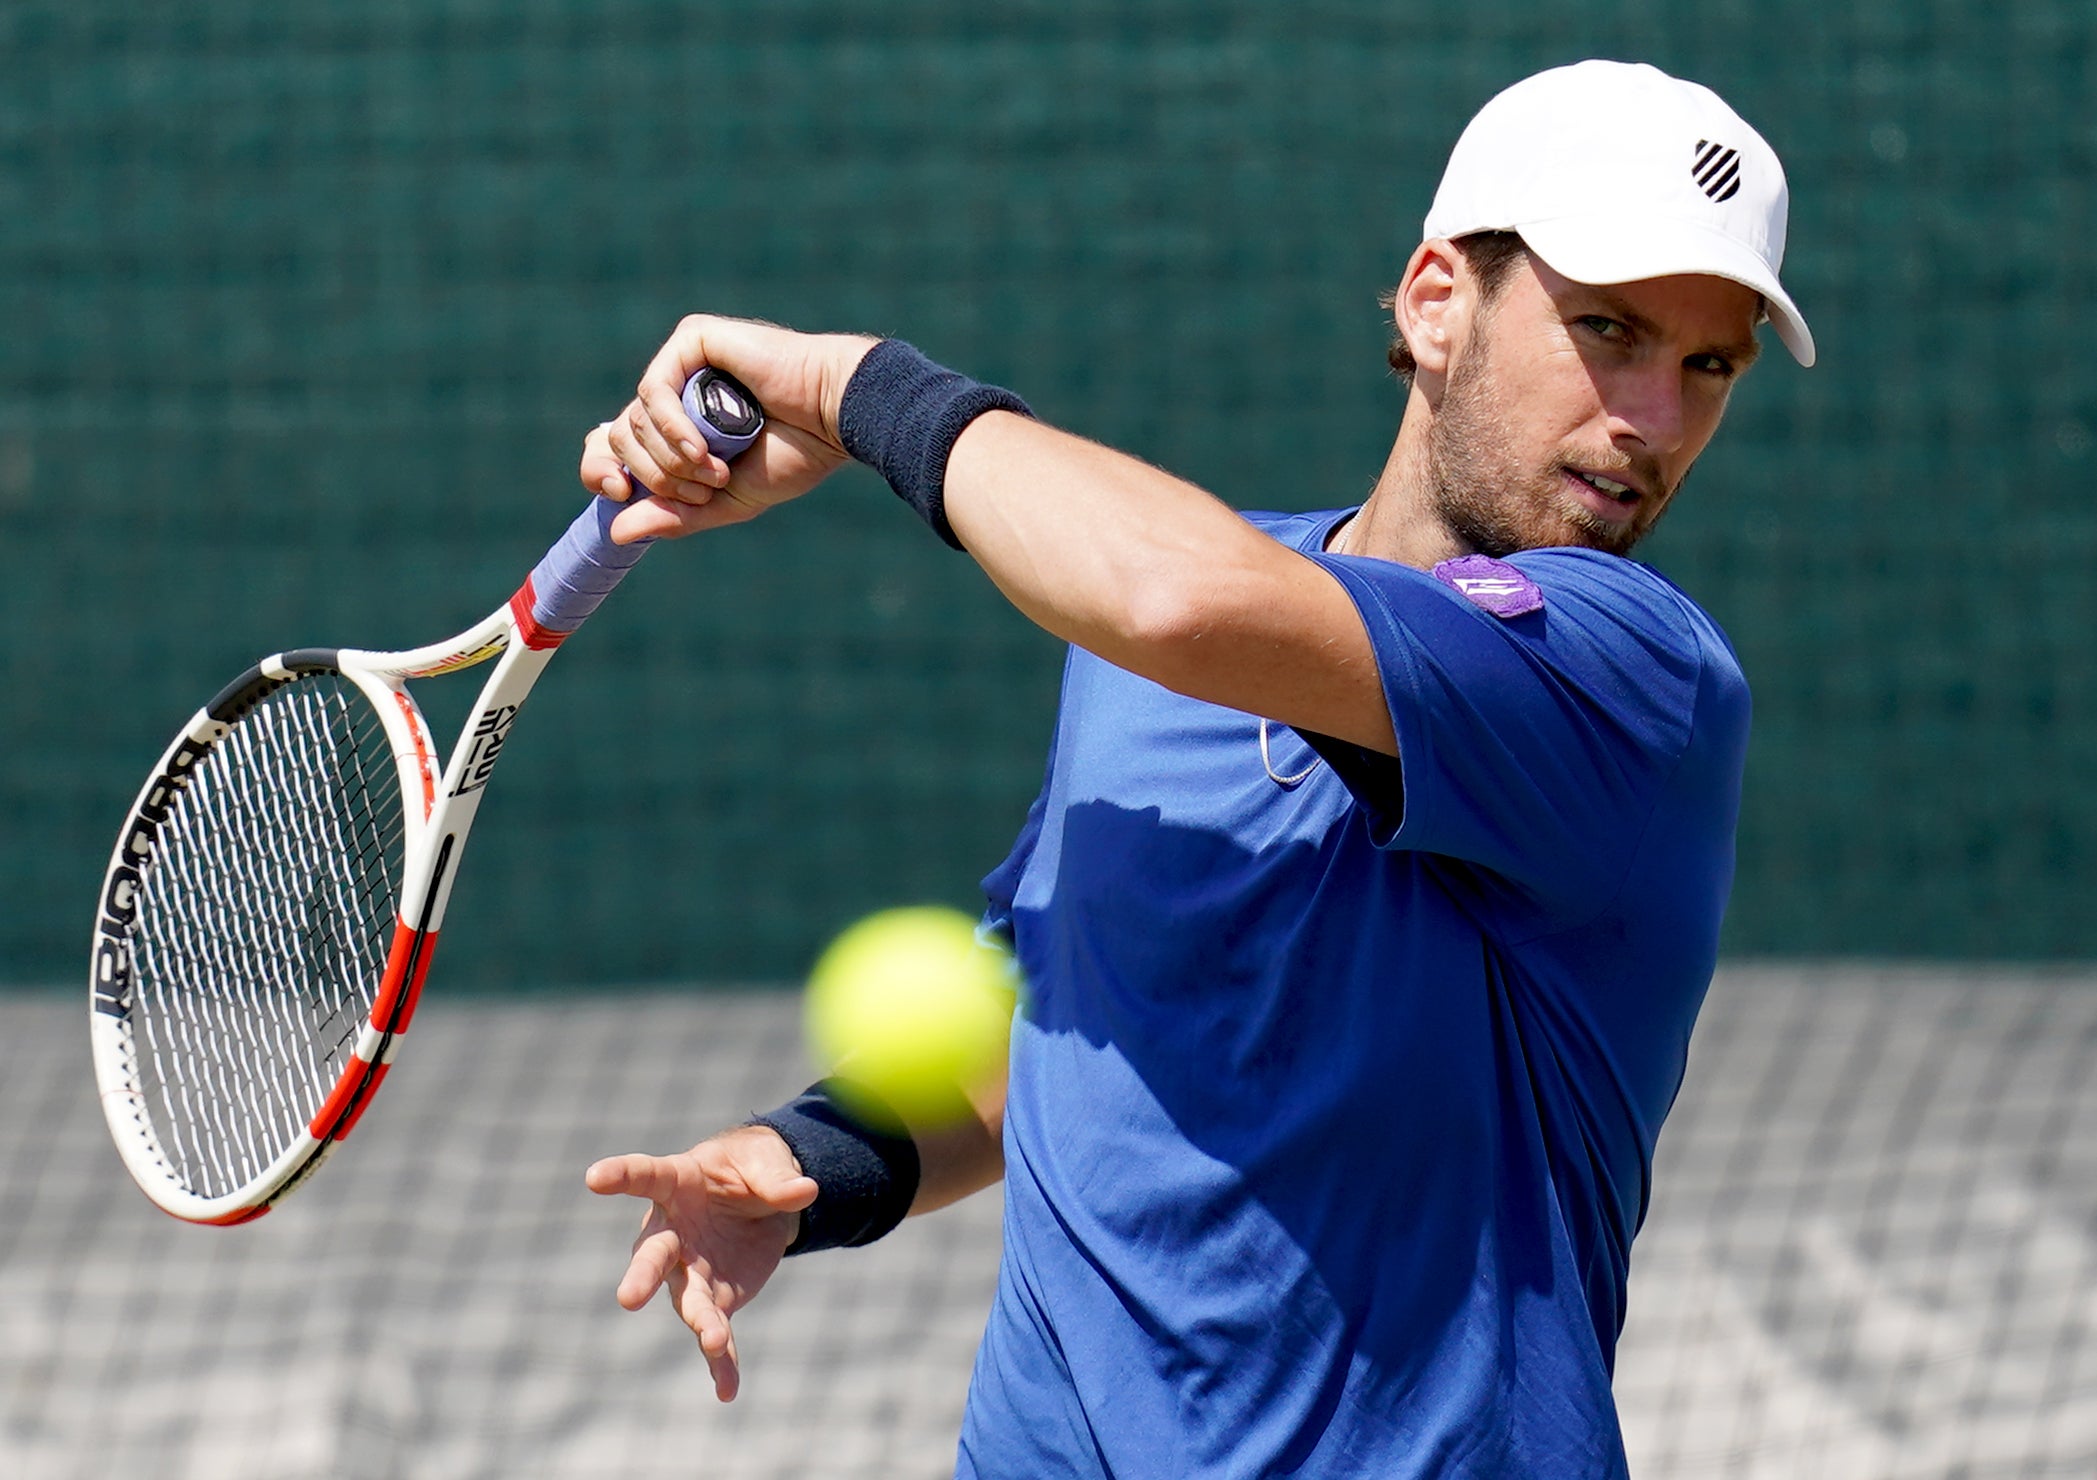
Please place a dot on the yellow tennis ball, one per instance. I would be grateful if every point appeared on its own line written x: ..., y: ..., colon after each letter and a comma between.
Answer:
x: 911, y: 1004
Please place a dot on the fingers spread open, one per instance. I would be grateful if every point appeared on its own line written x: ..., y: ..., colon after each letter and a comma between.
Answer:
x: 655, y: 1259
x: 709, y: 1323
x: 727, y: 1370
x: 635, y: 1174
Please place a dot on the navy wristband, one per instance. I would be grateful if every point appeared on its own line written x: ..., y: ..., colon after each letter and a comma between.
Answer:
x: 901, y: 415
x: 864, y: 1164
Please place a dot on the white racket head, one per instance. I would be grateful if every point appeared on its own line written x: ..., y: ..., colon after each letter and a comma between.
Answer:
x: 275, y: 894
x: 250, y: 966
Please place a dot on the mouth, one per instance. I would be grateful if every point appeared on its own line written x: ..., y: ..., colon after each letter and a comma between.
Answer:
x: 1606, y: 496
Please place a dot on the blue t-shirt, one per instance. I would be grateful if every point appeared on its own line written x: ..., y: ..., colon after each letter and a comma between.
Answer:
x: 1333, y: 1106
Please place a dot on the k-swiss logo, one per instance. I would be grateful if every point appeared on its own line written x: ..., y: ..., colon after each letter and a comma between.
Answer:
x: 1717, y: 170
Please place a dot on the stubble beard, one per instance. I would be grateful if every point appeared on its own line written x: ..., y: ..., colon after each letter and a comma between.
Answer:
x: 1488, y: 502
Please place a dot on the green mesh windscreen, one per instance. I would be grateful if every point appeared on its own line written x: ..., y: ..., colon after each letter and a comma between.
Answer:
x: 304, y: 310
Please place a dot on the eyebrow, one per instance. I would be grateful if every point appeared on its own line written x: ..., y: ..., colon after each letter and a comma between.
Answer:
x: 1742, y: 353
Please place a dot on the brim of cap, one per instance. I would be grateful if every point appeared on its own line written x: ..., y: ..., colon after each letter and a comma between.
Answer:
x: 1592, y: 249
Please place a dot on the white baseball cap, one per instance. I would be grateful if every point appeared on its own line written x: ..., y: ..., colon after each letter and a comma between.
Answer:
x: 1614, y: 172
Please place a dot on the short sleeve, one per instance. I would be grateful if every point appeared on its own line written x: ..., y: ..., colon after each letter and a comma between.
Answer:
x: 1533, y: 746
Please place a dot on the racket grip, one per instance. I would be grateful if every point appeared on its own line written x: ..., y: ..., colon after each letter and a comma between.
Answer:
x: 575, y: 576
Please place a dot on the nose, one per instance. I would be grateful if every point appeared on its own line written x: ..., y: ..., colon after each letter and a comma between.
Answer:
x: 1646, y: 406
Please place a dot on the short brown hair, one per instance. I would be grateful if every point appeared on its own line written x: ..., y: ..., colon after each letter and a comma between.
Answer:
x: 1491, y: 256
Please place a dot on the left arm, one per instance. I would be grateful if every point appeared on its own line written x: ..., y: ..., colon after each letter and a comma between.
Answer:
x: 962, y: 1155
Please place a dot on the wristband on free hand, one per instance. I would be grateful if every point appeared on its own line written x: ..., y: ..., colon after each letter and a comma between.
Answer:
x: 863, y: 1161
x: 901, y: 415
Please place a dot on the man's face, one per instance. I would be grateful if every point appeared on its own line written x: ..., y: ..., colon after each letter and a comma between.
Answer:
x: 1571, y: 414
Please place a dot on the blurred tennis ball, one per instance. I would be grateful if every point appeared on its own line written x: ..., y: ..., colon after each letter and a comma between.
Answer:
x: 909, y: 1003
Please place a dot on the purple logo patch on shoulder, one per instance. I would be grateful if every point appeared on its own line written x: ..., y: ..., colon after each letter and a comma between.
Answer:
x: 1492, y: 584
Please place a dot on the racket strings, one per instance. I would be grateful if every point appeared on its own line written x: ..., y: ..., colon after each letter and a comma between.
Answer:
x: 264, y: 925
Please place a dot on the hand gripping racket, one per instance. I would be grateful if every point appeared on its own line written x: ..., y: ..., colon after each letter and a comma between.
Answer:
x: 275, y: 895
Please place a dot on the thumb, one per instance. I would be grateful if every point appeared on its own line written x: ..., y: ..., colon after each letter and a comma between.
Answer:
x: 657, y: 518
x: 791, y: 1193
x: 762, y: 1188
x: 756, y: 1162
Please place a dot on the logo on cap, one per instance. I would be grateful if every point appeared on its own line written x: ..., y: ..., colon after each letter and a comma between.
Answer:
x: 1717, y: 170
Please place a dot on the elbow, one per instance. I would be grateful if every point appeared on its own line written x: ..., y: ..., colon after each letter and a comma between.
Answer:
x: 1166, y: 628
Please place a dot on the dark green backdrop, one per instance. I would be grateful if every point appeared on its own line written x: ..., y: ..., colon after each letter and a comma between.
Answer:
x: 303, y: 311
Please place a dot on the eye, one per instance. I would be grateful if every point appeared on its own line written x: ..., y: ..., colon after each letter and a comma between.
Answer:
x: 1717, y: 365
x: 1603, y: 327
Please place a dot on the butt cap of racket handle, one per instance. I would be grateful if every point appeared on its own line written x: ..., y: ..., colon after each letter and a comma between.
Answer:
x: 584, y: 565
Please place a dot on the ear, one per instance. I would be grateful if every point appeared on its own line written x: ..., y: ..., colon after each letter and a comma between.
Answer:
x: 1433, y: 304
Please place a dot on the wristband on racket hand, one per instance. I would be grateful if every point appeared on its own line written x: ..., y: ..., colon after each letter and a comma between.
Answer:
x: 901, y: 415
x: 863, y: 1161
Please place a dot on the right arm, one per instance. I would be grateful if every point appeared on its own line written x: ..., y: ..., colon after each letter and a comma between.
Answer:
x: 1099, y: 548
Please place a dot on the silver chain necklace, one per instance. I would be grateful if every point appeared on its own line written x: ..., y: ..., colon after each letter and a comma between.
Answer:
x: 1286, y: 783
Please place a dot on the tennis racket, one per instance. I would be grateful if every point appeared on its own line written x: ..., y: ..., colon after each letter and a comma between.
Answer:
x: 275, y: 895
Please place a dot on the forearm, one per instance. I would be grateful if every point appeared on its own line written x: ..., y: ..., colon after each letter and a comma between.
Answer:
x: 873, y: 1167
x: 1158, y: 577
x: 1098, y: 548
x: 1094, y: 545
x: 959, y: 1157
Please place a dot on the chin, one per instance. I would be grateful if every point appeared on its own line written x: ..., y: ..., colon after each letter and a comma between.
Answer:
x: 1584, y: 527
x: 1610, y: 539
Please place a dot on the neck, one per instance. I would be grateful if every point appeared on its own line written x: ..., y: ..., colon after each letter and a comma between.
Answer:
x: 1399, y: 521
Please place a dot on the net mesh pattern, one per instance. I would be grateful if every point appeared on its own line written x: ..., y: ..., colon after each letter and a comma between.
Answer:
x: 263, y: 924
x: 1871, y: 1255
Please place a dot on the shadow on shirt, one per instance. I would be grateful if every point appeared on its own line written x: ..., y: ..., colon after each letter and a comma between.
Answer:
x: 1269, y: 1090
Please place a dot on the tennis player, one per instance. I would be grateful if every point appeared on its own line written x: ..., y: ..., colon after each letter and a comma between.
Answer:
x: 1377, y: 877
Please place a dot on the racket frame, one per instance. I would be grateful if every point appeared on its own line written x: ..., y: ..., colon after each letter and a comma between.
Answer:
x: 437, y: 812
